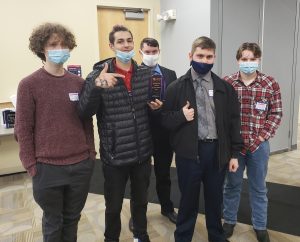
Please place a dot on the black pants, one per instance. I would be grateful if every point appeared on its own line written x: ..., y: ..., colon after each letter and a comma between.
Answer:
x: 61, y: 192
x: 163, y: 155
x: 114, y: 189
x: 190, y: 175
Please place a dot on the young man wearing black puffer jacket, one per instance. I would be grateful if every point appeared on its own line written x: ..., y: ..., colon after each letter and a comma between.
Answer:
x: 117, y: 92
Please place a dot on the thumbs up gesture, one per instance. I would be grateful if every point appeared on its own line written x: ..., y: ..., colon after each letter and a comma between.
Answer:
x: 188, y: 112
x: 105, y: 79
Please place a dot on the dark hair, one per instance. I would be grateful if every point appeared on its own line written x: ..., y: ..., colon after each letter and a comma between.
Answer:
x: 115, y: 29
x: 204, y: 43
x: 41, y: 34
x: 150, y: 42
x: 249, y: 46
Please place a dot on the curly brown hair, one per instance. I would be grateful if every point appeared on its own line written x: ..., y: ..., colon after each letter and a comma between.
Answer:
x: 41, y: 34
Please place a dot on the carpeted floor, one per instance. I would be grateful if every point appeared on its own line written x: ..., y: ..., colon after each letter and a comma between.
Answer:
x: 284, y: 201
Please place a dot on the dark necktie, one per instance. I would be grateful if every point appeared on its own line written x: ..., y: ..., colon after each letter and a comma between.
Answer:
x: 201, y: 109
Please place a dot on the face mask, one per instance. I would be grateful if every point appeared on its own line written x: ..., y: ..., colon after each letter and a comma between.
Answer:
x: 201, y: 68
x: 59, y: 56
x: 124, y: 57
x: 150, y: 60
x: 248, y: 67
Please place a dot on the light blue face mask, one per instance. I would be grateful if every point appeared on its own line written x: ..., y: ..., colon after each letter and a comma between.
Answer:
x: 248, y: 67
x: 124, y: 57
x: 59, y: 56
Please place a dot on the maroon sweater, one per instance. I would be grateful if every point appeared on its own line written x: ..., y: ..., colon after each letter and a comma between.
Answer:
x: 47, y: 126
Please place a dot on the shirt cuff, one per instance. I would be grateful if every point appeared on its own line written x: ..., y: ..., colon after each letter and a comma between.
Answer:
x: 32, y: 170
x: 264, y: 134
x: 93, y: 155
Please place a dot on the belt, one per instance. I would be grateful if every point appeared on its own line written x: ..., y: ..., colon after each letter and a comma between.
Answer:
x: 208, y: 140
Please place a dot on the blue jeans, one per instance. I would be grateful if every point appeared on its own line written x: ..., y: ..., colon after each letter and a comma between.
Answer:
x: 257, y: 166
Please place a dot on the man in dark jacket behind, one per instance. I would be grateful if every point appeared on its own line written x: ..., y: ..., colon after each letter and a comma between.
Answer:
x: 163, y: 153
x: 117, y: 92
x: 202, y: 112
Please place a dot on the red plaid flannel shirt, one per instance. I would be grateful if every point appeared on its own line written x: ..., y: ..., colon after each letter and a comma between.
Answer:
x: 261, y: 108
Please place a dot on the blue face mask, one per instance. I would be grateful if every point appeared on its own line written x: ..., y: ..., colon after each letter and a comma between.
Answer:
x: 200, y: 67
x: 59, y: 56
x: 124, y: 57
x: 248, y: 67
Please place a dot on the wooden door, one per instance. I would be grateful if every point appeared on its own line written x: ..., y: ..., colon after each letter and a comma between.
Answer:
x: 107, y: 18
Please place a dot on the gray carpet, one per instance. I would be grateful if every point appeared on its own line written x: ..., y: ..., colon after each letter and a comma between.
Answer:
x: 284, y: 201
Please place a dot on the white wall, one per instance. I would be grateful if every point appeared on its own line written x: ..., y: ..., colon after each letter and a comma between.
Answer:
x: 193, y: 20
x: 18, y: 18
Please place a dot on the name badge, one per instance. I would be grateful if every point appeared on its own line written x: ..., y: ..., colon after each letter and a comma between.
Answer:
x: 74, y: 96
x: 210, y: 92
x: 261, y: 106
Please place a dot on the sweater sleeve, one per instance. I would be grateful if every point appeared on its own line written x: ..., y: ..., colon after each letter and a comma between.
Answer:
x: 24, y: 127
x: 89, y: 132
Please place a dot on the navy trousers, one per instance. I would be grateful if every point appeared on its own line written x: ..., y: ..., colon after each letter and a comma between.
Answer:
x: 190, y: 175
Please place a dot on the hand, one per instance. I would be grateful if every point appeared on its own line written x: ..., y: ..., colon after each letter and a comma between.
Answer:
x: 261, y: 138
x: 188, y: 112
x: 106, y: 80
x: 233, y: 165
x: 156, y: 104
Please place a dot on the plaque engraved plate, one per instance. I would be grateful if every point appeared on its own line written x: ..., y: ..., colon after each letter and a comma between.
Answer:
x: 155, y: 90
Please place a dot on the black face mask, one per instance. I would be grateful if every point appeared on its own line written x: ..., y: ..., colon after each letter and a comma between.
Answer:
x: 200, y: 67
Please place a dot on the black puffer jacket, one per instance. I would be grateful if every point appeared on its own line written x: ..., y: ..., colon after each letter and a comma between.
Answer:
x: 122, y: 120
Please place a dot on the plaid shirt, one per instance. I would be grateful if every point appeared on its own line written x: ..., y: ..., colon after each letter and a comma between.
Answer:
x: 261, y: 108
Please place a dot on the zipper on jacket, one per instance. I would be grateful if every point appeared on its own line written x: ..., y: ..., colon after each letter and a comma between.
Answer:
x: 136, y: 128
x: 133, y: 112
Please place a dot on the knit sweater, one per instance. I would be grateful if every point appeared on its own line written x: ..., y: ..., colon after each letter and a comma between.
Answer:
x: 47, y: 126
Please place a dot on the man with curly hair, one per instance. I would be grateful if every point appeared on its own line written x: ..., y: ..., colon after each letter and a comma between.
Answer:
x: 56, y: 146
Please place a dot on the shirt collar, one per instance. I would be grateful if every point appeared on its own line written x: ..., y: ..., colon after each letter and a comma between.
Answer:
x: 121, y: 71
x: 156, y: 70
x: 237, y: 77
x: 207, y: 77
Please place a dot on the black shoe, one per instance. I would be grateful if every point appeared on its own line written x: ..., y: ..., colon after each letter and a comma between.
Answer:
x: 262, y: 235
x: 228, y: 229
x: 130, y: 224
x: 172, y: 216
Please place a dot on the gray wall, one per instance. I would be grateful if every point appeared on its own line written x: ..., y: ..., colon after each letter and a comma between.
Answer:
x: 274, y: 24
x: 193, y: 20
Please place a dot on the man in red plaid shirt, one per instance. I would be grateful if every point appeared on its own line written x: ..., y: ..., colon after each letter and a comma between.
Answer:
x: 261, y: 112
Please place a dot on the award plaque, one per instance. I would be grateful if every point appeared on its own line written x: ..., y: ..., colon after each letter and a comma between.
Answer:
x: 155, y: 89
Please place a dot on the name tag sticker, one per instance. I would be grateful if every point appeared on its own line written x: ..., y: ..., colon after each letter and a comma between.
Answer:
x: 210, y: 92
x: 74, y: 96
x: 261, y: 106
